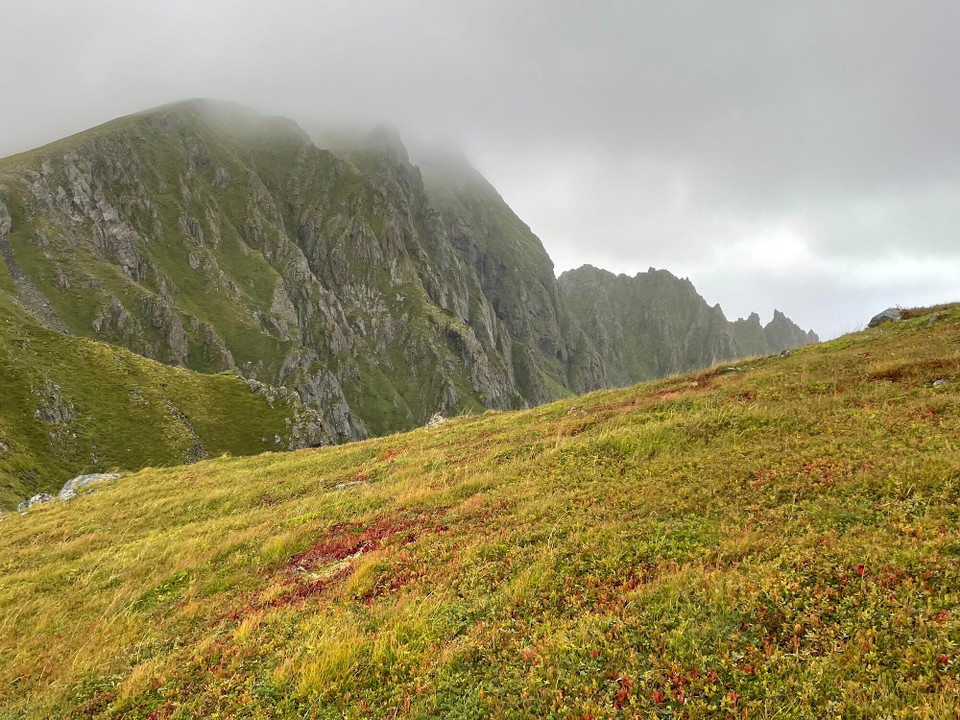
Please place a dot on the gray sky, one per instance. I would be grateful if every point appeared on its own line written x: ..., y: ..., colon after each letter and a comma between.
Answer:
x: 799, y: 155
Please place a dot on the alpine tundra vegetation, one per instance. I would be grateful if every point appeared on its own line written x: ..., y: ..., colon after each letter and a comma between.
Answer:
x: 775, y: 538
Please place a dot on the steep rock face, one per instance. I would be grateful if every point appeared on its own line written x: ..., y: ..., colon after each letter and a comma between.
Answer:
x: 517, y: 276
x: 782, y: 333
x: 655, y: 324
x: 206, y: 236
x: 750, y: 337
x: 438, y: 292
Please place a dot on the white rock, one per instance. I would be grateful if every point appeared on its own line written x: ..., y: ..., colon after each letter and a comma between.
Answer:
x: 69, y: 490
x: 436, y: 420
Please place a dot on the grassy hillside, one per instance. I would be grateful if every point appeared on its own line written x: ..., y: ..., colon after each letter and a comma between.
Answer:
x: 70, y: 405
x: 778, y: 541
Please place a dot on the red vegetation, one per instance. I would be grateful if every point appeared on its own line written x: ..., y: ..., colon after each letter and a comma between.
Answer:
x: 623, y: 692
x: 347, y: 539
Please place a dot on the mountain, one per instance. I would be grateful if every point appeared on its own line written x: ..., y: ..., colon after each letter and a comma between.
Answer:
x: 206, y: 236
x: 72, y: 405
x: 655, y: 324
x: 781, y: 333
x: 710, y: 545
x: 517, y: 275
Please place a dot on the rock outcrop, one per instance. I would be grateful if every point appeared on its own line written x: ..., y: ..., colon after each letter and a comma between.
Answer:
x: 890, y: 314
x: 70, y: 488
x: 655, y: 324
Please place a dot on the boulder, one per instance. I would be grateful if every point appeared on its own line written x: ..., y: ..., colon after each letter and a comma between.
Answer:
x: 69, y: 490
x: 888, y: 314
x: 436, y: 420
x: 39, y: 499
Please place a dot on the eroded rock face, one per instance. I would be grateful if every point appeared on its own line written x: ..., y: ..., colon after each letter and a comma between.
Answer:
x: 307, y: 426
x: 52, y: 408
x: 28, y: 295
x: 6, y: 222
x: 516, y: 278
x: 215, y: 350
x: 655, y: 324
x: 318, y: 388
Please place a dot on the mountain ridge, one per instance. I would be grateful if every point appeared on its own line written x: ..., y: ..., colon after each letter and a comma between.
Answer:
x: 654, y: 324
x: 207, y: 236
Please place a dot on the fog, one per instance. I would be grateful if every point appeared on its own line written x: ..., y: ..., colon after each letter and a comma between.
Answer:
x: 803, y: 156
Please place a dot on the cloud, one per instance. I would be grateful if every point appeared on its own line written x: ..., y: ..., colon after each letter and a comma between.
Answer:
x: 798, y: 155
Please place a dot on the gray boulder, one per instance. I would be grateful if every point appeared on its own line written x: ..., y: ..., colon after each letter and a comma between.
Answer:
x: 888, y: 314
x: 39, y: 499
x: 69, y: 490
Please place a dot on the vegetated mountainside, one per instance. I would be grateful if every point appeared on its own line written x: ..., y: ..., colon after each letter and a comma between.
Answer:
x: 550, y: 352
x: 655, y: 324
x: 70, y: 405
x: 727, y: 543
x: 207, y: 236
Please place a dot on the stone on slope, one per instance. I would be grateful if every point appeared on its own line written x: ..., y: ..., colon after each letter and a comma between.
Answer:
x: 69, y: 489
x: 37, y: 499
x: 436, y: 420
x: 888, y: 314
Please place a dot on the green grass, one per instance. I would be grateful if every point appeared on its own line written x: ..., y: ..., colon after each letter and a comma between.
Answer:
x: 778, y: 542
x: 127, y: 412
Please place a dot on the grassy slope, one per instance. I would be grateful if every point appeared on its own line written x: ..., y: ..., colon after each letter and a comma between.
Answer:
x: 129, y: 412
x: 779, y: 542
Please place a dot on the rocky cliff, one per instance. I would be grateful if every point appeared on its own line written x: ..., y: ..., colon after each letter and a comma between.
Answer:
x: 551, y: 354
x: 655, y: 324
x: 206, y: 236
x: 380, y: 291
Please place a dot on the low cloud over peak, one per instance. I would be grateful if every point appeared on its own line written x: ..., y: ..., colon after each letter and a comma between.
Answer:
x: 802, y: 156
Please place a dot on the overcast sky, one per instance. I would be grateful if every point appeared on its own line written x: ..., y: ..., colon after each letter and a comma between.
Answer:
x: 798, y: 155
